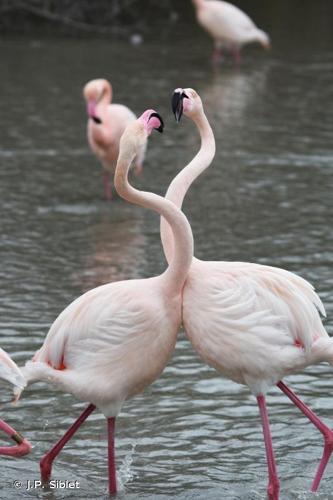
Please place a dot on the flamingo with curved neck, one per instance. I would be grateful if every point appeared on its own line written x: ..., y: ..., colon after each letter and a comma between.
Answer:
x: 106, y: 124
x: 116, y: 339
x: 255, y: 324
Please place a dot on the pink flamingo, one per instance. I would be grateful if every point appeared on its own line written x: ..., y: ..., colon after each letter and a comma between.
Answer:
x: 229, y: 27
x: 255, y: 324
x: 106, y: 125
x: 10, y: 372
x: 116, y: 339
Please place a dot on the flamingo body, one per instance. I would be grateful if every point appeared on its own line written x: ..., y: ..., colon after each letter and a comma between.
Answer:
x: 255, y: 324
x: 110, y: 343
x: 228, y: 25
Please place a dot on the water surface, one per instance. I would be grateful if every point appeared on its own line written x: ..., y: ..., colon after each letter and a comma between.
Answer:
x: 267, y: 198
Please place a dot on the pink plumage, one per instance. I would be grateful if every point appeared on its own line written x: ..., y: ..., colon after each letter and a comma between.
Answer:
x: 114, y: 340
x: 255, y: 324
x: 229, y: 27
x: 106, y: 124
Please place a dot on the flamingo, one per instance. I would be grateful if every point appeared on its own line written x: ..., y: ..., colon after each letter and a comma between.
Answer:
x: 114, y: 340
x: 229, y: 27
x: 9, y: 371
x: 106, y: 124
x: 253, y: 323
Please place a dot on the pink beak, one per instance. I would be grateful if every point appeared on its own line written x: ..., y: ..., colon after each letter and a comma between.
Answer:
x: 91, y: 109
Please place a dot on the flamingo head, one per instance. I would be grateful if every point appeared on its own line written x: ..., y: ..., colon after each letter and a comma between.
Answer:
x: 137, y: 132
x: 151, y: 120
x: 185, y: 101
x: 94, y: 92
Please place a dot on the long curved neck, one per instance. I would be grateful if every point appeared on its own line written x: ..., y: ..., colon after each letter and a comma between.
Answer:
x: 178, y: 268
x: 105, y: 100
x: 182, y: 182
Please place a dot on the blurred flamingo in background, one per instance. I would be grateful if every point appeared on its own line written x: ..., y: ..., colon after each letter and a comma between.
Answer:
x: 116, y: 339
x: 106, y: 125
x: 229, y: 27
x: 255, y: 324
x: 10, y: 372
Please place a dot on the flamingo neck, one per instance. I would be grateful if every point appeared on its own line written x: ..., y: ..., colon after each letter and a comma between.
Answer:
x: 183, y: 180
x: 105, y: 99
x: 178, y: 268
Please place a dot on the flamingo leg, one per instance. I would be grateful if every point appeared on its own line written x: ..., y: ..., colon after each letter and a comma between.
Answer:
x: 235, y: 51
x: 273, y: 484
x: 47, y: 460
x: 22, y: 447
x: 107, y: 186
x: 111, y: 455
x: 217, y: 55
x: 323, y: 428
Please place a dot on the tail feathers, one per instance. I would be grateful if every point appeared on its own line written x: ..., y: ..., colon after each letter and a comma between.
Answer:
x: 263, y: 39
x: 10, y: 371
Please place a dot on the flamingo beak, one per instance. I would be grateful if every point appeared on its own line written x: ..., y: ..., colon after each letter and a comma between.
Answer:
x: 161, y: 123
x: 91, y: 111
x: 177, y: 103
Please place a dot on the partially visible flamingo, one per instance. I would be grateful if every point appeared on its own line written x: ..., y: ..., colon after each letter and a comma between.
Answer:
x: 106, y: 125
x: 10, y: 372
x: 229, y: 27
x: 255, y: 324
x: 116, y: 339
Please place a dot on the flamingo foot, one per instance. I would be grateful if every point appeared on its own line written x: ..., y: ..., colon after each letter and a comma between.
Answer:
x: 273, y: 490
x: 328, y: 450
x: 45, y: 465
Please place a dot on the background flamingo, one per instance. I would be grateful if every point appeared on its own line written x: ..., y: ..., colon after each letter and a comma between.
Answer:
x: 229, y: 27
x: 114, y: 340
x: 106, y: 125
x: 255, y: 324
x: 10, y: 372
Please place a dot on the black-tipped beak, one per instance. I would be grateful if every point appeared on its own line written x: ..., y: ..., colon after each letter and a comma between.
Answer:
x: 96, y: 119
x: 161, y: 126
x: 177, y: 104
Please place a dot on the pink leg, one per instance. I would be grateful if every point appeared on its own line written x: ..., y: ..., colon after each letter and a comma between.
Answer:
x: 22, y: 447
x: 111, y: 454
x: 47, y: 460
x: 217, y: 55
x: 107, y: 186
x: 273, y: 484
x: 236, y: 55
x: 326, y: 432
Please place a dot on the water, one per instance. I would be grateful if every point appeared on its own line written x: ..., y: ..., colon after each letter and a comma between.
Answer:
x: 267, y: 198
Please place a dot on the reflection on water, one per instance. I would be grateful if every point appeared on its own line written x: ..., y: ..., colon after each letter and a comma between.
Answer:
x: 266, y: 198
